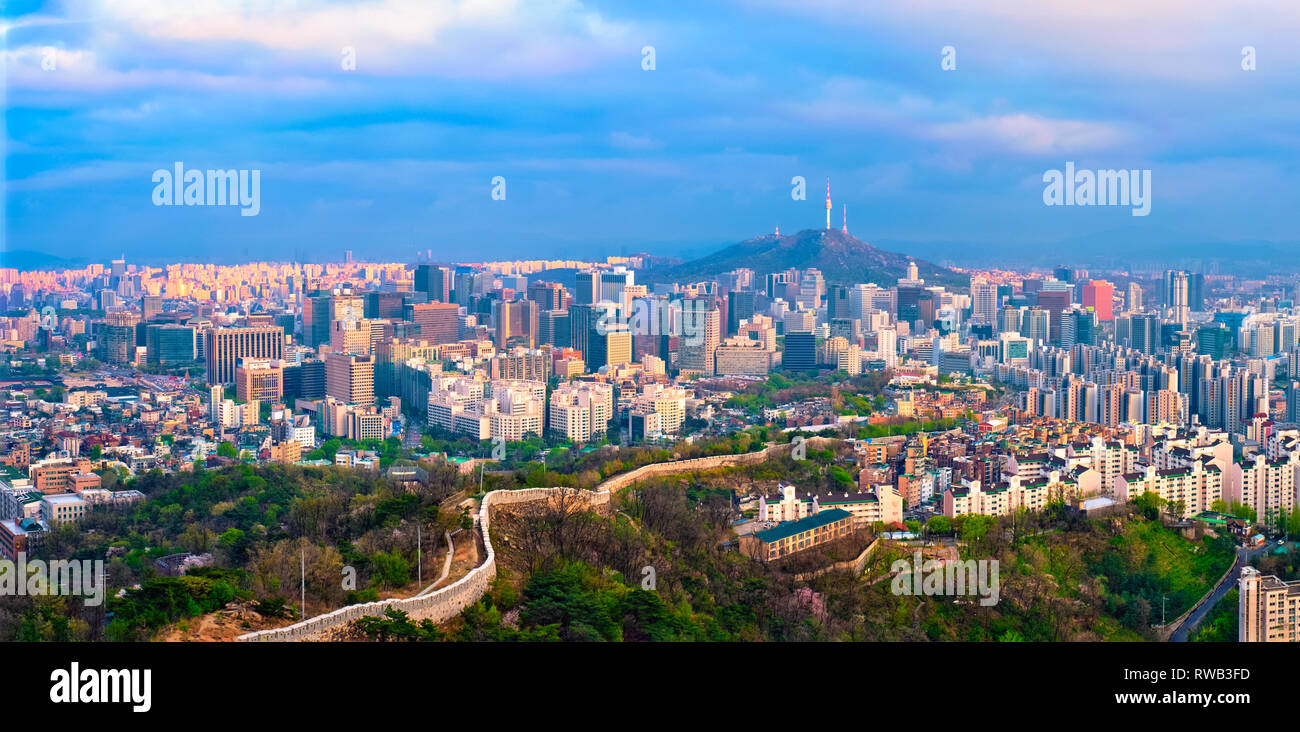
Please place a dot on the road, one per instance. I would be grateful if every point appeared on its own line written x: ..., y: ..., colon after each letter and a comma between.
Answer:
x: 1197, y: 615
x: 411, y: 437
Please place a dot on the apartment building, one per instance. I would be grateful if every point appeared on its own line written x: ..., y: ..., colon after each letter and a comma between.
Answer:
x: 1268, y: 608
x: 1267, y: 485
x: 581, y: 411
x: 669, y: 402
x: 1197, y: 487
x: 883, y: 505
x: 1006, y: 497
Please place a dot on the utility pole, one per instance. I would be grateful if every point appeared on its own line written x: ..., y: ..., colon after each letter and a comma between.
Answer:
x: 304, y: 583
x: 419, y: 557
x: 1162, y: 609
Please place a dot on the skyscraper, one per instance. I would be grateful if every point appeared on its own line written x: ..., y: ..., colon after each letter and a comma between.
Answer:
x: 439, y: 322
x: 984, y: 301
x: 547, y: 295
x: 1100, y: 296
x: 611, y: 347
x: 740, y: 306
x: 434, y: 280
x: 316, y: 319
x: 1134, y: 301
x: 350, y: 378
x: 587, y: 290
x: 119, y: 337
x: 227, y: 345
x: 701, y: 332
x: 516, y: 319
x: 150, y: 306
x: 800, y: 351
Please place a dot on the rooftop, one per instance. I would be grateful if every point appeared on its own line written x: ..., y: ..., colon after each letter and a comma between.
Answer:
x: 790, y: 528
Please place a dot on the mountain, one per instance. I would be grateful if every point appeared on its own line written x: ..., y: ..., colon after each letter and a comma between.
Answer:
x: 841, y: 258
x: 26, y: 260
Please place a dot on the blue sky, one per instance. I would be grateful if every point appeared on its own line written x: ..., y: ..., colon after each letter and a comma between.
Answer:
x: 603, y: 157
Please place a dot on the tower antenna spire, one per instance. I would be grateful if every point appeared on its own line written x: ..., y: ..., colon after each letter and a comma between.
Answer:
x: 845, y: 211
x: 828, y: 204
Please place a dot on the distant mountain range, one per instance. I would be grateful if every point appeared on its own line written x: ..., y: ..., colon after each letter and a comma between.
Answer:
x: 841, y: 258
x: 27, y: 260
x: 1130, y: 249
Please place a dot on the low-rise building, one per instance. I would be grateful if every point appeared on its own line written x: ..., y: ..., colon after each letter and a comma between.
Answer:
x: 790, y: 537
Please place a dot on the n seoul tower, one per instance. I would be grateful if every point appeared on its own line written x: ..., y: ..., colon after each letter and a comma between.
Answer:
x: 828, y: 204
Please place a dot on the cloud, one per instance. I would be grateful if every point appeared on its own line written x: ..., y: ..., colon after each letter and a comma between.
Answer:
x: 628, y: 141
x: 1030, y: 135
x: 436, y: 38
x: 1172, y: 39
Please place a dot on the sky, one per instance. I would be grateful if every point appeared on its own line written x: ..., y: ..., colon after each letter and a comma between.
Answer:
x: 397, y: 153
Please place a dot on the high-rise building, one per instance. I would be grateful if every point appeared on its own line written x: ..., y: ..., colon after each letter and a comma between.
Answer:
x: 260, y: 380
x: 304, y: 381
x: 316, y: 320
x: 516, y: 320
x: 547, y: 295
x: 1055, y: 302
x: 1134, y: 302
x: 984, y: 301
x: 553, y: 328
x: 1035, y: 325
x: 800, y: 351
x: 118, y: 335
x: 150, y: 306
x: 1268, y: 608
x: 1100, y: 296
x: 435, y: 281
x: 346, y: 306
x: 614, y: 284
x: 587, y: 290
x: 740, y: 306
x: 581, y: 411
x: 1176, y: 294
x: 167, y: 344
x: 1144, y: 333
x: 439, y: 322
x: 701, y: 333
x: 384, y: 305
x: 1214, y: 341
x: 350, y: 378
x: 226, y: 346
x: 611, y: 347
x: 582, y: 319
